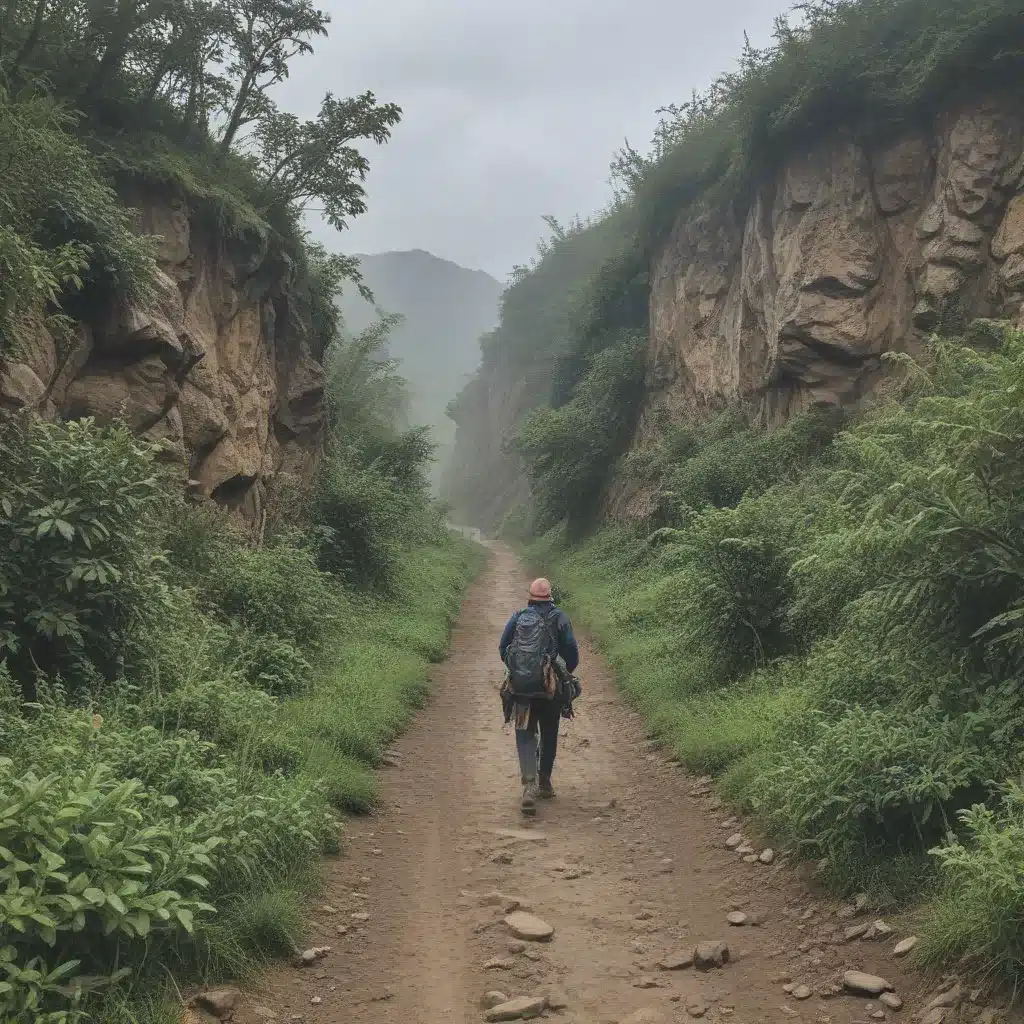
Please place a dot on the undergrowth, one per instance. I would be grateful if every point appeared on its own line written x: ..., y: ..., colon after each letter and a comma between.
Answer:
x: 828, y: 618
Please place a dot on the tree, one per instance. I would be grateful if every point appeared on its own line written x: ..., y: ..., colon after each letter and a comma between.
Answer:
x: 265, y: 36
x: 304, y: 160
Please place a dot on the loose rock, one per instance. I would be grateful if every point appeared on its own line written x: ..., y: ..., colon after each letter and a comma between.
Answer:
x: 676, y: 961
x: 766, y: 856
x: 802, y: 992
x: 708, y: 955
x: 745, y: 849
x: 891, y: 1000
x: 647, y: 982
x: 881, y: 930
x: 648, y: 1015
x: 737, y: 918
x: 905, y: 946
x: 866, y: 984
x: 856, y: 931
x: 499, y: 963
x: 522, y: 1008
x: 878, y: 1015
x: 220, y: 1001
x: 750, y: 858
x: 557, y: 999
x: 528, y: 927
x: 360, y: 915
x: 696, y: 1007
x: 736, y: 839
x: 491, y: 999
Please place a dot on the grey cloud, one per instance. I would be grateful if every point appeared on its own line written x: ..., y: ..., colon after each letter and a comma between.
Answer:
x: 511, y: 110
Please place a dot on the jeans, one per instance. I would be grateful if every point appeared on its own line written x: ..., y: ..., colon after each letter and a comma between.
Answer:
x: 545, y: 718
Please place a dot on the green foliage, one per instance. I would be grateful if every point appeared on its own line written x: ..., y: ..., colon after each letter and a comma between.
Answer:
x: 76, y: 575
x: 837, y: 632
x: 570, y: 450
x: 61, y: 226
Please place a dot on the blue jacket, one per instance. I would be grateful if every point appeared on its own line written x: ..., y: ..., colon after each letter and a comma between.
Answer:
x: 568, y: 651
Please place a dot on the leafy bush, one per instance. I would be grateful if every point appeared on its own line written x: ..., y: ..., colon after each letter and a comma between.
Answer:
x: 77, y: 581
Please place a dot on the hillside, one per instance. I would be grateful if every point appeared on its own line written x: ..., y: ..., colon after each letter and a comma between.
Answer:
x: 446, y: 309
x: 769, y: 447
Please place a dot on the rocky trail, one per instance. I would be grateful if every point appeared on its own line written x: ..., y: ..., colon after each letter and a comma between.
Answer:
x: 633, y: 868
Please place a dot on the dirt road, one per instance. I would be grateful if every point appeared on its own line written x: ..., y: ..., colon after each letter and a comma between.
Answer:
x: 625, y: 864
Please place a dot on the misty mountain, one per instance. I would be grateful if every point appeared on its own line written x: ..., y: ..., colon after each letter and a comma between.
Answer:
x: 446, y: 309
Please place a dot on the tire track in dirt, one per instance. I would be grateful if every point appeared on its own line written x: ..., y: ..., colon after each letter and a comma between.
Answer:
x: 624, y: 863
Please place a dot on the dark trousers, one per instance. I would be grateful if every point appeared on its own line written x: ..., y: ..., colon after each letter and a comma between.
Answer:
x: 545, y: 718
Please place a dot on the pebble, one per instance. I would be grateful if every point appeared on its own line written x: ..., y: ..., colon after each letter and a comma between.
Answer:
x: 736, y: 839
x: 905, y: 946
x: 528, y: 927
x: 316, y: 1001
x: 750, y: 858
x: 766, y: 856
x: 737, y: 918
x: 891, y: 1000
x: 491, y: 999
x: 676, y: 961
x: 557, y: 999
x: 516, y: 947
x: 745, y: 850
x: 360, y: 915
x: 647, y: 1015
x: 219, y: 1001
x: 867, y: 984
x: 646, y: 982
x: 696, y: 1007
x: 499, y: 963
x: 882, y: 929
x: 857, y: 931
x: 522, y: 1008
x: 710, y: 954
x: 502, y: 857
x: 342, y: 929
x: 802, y: 992
x: 878, y: 1015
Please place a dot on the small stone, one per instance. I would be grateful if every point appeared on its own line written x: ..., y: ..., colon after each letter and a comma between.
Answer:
x: 219, y: 1001
x: 856, y: 931
x: 516, y: 947
x: 905, y: 946
x: 502, y: 857
x: 881, y: 929
x: 361, y: 916
x: 316, y: 1000
x: 735, y: 840
x: 750, y: 858
x: 878, y: 1015
x: 648, y: 1015
x: 491, y: 999
x: 789, y: 987
x: 499, y: 963
x: 951, y: 997
x: 307, y: 957
x: 523, y: 1008
x: 766, y: 856
x: 341, y: 929
x: 528, y: 927
x: 557, y: 999
x: 696, y: 1007
x: 866, y: 984
x: 737, y: 918
x: 647, y: 982
x: 676, y: 961
x: 745, y: 850
x: 891, y: 1000
x: 376, y: 852
x: 802, y: 992
x: 708, y: 955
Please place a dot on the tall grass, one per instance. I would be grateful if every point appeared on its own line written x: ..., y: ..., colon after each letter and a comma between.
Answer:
x: 836, y: 636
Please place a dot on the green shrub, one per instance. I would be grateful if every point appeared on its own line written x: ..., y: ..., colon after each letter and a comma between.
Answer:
x: 78, y: 590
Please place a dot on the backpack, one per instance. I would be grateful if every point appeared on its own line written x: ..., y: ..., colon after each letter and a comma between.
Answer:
x: 531, y: 654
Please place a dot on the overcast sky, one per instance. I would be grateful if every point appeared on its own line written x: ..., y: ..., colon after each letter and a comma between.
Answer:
x: 512, y: 108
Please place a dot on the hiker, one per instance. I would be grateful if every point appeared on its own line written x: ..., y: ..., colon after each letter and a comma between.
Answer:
x: 540, y: 655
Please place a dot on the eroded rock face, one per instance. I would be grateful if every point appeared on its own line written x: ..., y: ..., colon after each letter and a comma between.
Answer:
x: 214, y: 364
x: 847, y: 253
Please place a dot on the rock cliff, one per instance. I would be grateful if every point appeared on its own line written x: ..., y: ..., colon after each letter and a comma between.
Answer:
x: 216, y: 363
x: 850, y: 250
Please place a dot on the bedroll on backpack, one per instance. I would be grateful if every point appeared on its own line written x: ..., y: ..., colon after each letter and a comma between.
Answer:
x: 530, y: 655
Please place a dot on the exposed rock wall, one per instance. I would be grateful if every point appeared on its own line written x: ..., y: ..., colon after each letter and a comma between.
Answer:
x: 849, y: 251
x: 216, y: 364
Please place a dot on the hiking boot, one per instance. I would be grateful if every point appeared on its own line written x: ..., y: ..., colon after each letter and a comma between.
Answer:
x: 528, y: 804
x: 544, y: 790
